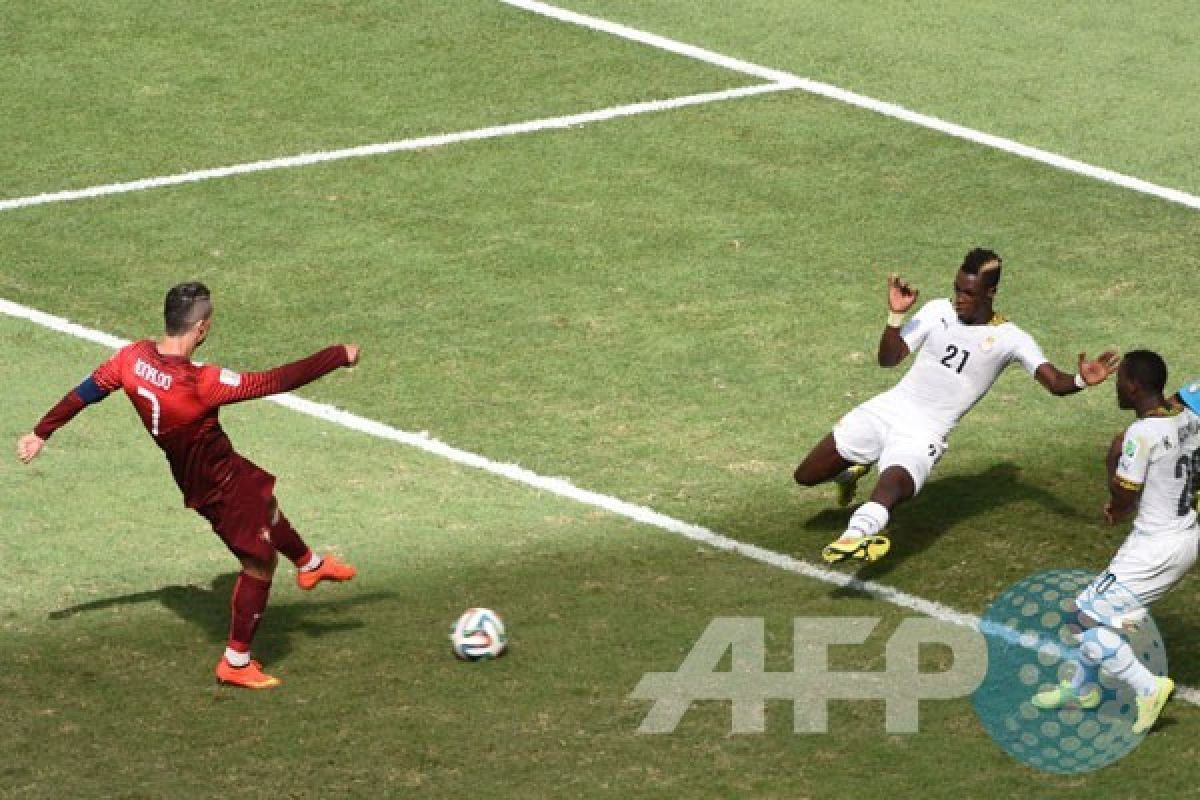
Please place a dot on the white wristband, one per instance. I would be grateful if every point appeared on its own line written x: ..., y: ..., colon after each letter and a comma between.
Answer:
x: 1080, y: 383
x: 895, y: 319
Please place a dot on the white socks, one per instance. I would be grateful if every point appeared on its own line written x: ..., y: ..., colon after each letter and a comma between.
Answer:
x: 314, y: 561
x: 868, y: 520
x: 1122, y: 665
x: 235, y: 658
x: 1125, y: 667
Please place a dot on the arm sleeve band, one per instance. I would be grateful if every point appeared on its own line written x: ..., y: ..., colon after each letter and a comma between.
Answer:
x: 89, y: 392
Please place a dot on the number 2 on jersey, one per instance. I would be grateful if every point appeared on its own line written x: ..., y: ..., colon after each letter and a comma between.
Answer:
x: 1187, y: 468
x: 155, y: 409
x: 952, y: 352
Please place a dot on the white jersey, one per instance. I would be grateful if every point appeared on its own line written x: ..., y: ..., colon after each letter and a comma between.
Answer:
x: 955, y: 365
x: 1158, y: 456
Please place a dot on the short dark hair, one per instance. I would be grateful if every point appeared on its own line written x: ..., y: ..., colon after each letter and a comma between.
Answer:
x: 984, y: 263
x: 1146, y: 369
x: 186, y: 304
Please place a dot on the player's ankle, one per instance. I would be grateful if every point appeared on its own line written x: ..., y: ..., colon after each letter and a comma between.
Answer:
x: 237, y: 658
x: 313, y: 562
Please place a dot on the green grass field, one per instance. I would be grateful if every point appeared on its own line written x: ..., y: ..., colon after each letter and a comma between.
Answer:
x: 669, y: 308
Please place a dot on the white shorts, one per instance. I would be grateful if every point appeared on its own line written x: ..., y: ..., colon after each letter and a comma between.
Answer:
x: 1145, y: 568
x: 864, y: 436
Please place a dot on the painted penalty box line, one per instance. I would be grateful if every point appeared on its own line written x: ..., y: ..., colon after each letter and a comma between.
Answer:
x: 564, y: 488
x: 384, y: 148
x: 886, y: 109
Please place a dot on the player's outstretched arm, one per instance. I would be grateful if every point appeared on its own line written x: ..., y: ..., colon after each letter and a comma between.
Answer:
x: 1090, y: 373
x: 222, y: 386
x: 901, y: 297
x: 85, y: 394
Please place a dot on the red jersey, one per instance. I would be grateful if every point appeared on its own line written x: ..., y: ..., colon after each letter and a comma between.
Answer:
x: 178, y: 401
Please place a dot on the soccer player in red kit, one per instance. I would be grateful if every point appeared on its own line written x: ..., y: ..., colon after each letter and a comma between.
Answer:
x: 178, y: 403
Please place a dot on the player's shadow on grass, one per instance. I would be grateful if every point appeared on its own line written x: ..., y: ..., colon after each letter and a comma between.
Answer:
x: 1181, y: 635
x: 207, y: 607
x: 943, y: 504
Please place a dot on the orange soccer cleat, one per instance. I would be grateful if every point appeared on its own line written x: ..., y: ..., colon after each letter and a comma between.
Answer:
x: 331, y: 569
x: 250, y: 676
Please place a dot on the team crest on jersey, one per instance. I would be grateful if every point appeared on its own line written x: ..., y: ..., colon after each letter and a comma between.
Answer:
x: 988, y: 343
x: 230, y: 378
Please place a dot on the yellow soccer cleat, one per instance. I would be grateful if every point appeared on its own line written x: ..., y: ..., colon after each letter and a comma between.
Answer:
x: 1149, y: 707
x: 1064, y: 695
x: 863, y: 548
x: 847, y: 483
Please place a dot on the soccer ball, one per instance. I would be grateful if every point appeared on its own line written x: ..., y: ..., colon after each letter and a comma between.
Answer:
x: 478, y: 634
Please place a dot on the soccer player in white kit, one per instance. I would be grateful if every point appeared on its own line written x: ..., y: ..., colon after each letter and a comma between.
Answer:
x: 1152, y: 468
x: 962, y: 346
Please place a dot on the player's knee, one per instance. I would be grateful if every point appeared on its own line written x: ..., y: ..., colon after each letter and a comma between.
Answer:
x: 262, y: 568
x: 804, y: 477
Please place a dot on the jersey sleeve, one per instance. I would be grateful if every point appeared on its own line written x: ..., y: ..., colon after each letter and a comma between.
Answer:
x: 1027, y: 353
x: 917, y: 328
x: 94, y: 388
x: 219, y: 387
x: 1134, y: 461
x: 107, y: 376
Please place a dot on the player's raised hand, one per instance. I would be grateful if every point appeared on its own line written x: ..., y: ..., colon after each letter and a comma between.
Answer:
x: 28, y: 446
x: 901, y: 293
x: 1094, y: 372
x: 352, y: 354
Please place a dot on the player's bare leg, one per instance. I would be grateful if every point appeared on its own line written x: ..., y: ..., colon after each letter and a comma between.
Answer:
x: 247, y: 605
x: 824, y: 463
x: 864, y: 538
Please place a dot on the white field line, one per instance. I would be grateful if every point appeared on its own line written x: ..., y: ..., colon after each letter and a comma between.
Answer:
x: 780, y: 81
x: 862, y: 101
x: 564, y: 488
x: 421, y: 143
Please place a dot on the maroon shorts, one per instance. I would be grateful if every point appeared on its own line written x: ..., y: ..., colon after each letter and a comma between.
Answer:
x: 243, y: 512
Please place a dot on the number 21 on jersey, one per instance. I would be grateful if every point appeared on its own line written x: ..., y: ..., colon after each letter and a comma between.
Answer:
x: 952, y: 354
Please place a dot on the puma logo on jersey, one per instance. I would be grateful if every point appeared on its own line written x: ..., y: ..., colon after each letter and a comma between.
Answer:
x: 151, y: 375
